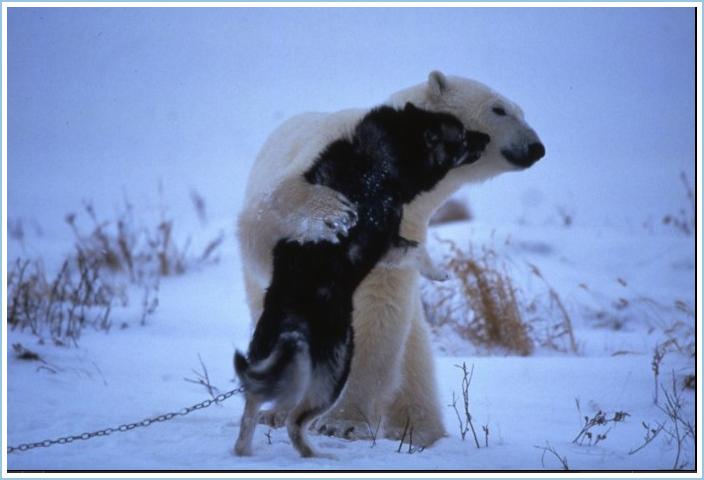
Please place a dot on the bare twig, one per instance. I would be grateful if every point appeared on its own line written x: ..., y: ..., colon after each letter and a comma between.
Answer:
x: 203, y: 379
x: 199, y: 205
x: 599, y: 419
x: 411, y: 448
x: 403, y: 436
x: 672, y: 408
x: 373, y: 432
x: 650, y: 434
x: 548, y: 449
x: 661, y: 349
x: 408, y: 430
x: 466, y: 423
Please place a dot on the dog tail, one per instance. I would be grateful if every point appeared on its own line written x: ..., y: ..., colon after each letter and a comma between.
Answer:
x: 270, y: 377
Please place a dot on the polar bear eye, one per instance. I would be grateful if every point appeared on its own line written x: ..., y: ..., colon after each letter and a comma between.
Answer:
x: 499, y: 111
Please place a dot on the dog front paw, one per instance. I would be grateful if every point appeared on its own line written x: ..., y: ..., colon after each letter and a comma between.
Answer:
x: 243, y: 449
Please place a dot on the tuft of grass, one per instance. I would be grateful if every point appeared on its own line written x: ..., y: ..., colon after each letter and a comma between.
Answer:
x: 684, y: 220
x: 590, y: 433
x: 557, y: 333
x: 482, y: 304
x: 108, y: 257
x: 59, y: 308
x: 199, y: 206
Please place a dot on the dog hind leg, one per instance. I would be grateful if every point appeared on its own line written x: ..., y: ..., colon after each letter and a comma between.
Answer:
x: 243, y: 446
x: 297, y: 424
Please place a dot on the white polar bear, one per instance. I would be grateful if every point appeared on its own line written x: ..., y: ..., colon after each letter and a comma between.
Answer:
x: 392, y: 378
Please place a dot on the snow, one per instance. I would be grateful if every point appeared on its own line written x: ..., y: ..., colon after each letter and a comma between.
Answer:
x: 114, y: 103
x: 127, y: 375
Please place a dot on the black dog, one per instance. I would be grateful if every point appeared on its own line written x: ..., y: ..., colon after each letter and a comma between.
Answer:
x: 301, y: 350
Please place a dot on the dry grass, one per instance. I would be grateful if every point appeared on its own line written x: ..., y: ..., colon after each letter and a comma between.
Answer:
x: 681, y: 432
x: 596, y: 428
x: 685, y: 219
x: 108, y: 257
x: 122, y: 245
x: 554, y: 329
x: 61, y: 307
x: 482, y: 304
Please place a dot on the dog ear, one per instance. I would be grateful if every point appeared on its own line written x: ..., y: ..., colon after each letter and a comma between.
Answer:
x: 437, y: 83
x: 410, y: 107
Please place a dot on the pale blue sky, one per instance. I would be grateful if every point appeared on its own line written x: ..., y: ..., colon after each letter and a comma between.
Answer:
x: 105, y: 100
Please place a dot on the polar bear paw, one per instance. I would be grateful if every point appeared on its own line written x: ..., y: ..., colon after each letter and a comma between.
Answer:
x: 325, y: 215
x: 432, y: 272
x: 344, y: 428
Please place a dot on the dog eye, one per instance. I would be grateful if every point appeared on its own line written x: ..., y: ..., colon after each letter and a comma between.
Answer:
x: 499, y: 111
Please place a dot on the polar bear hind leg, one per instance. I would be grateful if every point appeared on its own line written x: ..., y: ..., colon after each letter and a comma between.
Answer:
x: 416, y: 402
x: 381, y: 325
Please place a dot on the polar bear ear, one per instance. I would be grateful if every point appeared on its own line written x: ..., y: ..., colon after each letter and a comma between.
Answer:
x: 437, y: 83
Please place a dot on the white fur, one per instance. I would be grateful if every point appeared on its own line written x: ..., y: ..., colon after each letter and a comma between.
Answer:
x: 392, y: 377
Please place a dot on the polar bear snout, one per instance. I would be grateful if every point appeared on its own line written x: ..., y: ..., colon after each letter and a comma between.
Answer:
x: 525, y: 156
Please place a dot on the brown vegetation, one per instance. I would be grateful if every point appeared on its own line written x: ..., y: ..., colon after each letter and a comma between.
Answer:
x: 481, y: 303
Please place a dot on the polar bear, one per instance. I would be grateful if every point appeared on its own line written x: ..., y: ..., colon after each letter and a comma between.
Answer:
x: 392, y: 378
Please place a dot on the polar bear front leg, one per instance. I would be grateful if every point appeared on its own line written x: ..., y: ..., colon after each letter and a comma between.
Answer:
x: 411, y: 254
x: 416, y: 402
x: 381, y: 325
x: 312, y: 213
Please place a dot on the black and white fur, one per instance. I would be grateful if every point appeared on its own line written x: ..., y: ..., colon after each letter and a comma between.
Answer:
x: 300, y: 354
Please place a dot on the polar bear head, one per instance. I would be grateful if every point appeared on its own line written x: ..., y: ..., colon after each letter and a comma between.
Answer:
x: 514, y: 144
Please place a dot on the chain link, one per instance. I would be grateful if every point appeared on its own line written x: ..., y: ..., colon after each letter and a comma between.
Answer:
x: 126, y: 427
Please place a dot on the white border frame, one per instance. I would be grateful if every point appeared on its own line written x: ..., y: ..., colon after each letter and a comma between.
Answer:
x: 374, y: 474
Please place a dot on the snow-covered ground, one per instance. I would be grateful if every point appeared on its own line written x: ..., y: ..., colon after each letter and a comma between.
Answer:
x: 112, y: 103
x: 130, y: 374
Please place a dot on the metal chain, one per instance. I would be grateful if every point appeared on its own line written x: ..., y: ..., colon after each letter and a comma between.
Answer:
x: 126, y: 427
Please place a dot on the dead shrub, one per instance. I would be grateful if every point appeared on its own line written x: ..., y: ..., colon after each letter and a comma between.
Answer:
x: 141, y: 251
x: 60, y: 308
x: 551, y: 324
x: 685, y: 219
x: 107, y: 258
x: 480, y: 302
